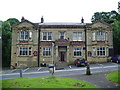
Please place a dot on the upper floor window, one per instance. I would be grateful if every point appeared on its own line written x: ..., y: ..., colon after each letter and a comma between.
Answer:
x: 77, y: 52
x: 25, y: 35
x: 47, y: 35
x: 77, y: 36
x: 100, y: 36
x: 62, y: 35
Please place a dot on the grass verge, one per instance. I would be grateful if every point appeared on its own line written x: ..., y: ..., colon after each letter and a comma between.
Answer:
x: 45, y: 82
x: 113, y: 76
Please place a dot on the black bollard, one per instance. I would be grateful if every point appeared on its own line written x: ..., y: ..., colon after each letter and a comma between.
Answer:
x: 20, y: 72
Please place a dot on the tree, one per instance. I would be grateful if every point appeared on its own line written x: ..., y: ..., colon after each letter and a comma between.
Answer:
x: 108, y: 17
x: 6, y: 41
x: 116, y: 36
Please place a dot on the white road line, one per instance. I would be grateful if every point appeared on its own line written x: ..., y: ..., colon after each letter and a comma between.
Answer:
x: 25, y: 70
x: 13, y: 70
x: 39, y: 68
x: 58, y: 70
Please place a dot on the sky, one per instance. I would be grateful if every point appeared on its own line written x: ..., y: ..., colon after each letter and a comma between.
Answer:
x: 55, y: 10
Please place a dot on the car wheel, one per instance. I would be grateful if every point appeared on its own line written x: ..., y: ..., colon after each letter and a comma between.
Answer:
x: 77, y: 65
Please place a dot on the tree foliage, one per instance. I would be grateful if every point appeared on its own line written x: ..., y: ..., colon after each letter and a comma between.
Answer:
x: 112, y: 18
x: 6, y: 40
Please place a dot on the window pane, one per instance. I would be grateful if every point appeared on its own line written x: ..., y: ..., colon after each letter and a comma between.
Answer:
x: 30, y: 35
x: 93, y: 36
x: 75, y: 36
x: 44, y: 35
x: 21, y: 35
x: 79, y: 36
x: 61, y: 35
x: 26, y: 35
x: 49, y: 35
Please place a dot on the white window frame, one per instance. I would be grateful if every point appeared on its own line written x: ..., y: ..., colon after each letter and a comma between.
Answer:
x: 30, y: 36
x: 94, y: 51
x: 100, y: 36
x: 23, y: 50
x: 101, y: 51
x: 28, y: 51
x: 93, y: 36
x: 25, y: 36
x: 46, y: 50
x: 76, y: 50
x: 47, y: 34
x: 77, y: 36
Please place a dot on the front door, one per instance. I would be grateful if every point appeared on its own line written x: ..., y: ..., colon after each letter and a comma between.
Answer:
x: 62, y: 56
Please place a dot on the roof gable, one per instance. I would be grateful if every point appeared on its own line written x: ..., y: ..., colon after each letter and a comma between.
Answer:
x: 97, y: 24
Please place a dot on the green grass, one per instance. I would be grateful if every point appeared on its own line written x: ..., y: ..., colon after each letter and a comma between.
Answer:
x: 113, y: 76
x: 45, y: 82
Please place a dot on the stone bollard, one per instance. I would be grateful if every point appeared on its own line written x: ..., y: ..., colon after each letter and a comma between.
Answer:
x: 88, y: 70
x: 20, y: 72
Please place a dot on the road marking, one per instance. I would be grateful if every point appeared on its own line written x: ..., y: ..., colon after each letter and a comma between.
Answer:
x: 25, y: 70
x: 39, y: 68
x: 58, y: 70
x: 13, y: 70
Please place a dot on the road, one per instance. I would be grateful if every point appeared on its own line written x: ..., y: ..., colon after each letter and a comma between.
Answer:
x: 38, y: 72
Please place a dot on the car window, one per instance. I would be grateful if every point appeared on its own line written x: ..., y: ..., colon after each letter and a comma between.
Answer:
x: 119, y: 57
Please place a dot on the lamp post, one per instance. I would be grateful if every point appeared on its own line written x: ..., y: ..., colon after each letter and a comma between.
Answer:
x: 52, y: 53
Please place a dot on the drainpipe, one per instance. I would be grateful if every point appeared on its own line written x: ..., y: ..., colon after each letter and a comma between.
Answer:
x: 39, y: 29
x: 85, y: 44
x: 52, y: 53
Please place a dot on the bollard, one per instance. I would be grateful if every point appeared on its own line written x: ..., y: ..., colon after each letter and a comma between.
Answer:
x: 20, y: 72
x: 88, y: 70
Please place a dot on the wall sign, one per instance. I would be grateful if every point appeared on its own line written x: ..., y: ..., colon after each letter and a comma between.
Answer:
x: 35, y: 53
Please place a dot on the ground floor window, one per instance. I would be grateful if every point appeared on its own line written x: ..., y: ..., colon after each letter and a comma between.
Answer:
x: 77, y: 52
x: 99, y: 51
x: 25, y: 51
x: 46, y: 51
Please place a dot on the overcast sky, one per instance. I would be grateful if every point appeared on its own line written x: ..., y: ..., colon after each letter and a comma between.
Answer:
x: 55, y: 10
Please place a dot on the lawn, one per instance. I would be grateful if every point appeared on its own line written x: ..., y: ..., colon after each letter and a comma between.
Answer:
x: 113, y: 76
x: 45, y: 82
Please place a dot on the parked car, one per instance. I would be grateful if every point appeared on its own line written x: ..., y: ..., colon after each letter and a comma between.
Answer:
x: 116, y: 59
x: 80, y: 61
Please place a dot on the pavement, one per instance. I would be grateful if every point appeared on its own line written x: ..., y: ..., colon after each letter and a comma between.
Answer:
x: 98, y: 79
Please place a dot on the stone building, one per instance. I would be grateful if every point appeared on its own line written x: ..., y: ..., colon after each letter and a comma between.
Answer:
x: 60, y: 42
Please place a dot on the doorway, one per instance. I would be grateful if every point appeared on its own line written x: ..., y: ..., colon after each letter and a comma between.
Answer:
x: 62, y: 53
